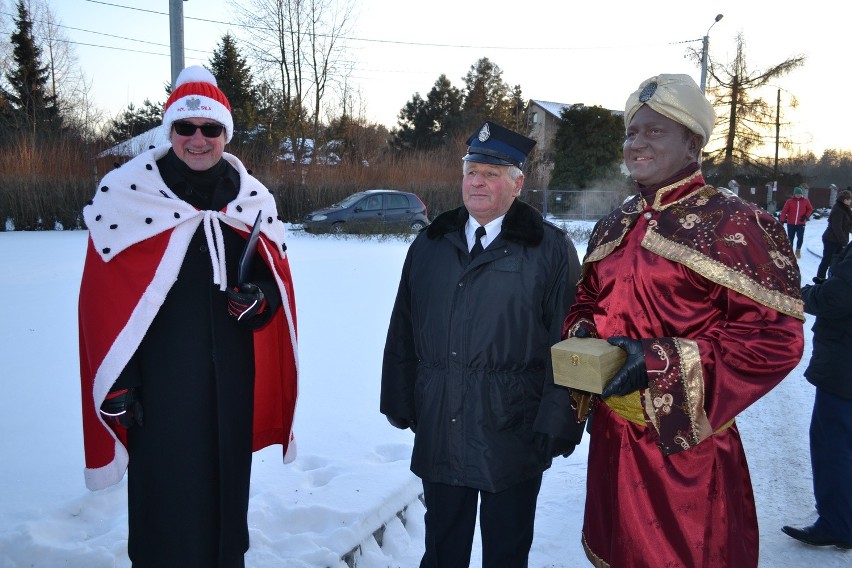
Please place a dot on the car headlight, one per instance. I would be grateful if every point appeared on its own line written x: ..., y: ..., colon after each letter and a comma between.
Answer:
x: 319, y: 217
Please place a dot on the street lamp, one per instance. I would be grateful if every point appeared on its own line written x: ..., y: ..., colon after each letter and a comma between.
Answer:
x: 704, y: 53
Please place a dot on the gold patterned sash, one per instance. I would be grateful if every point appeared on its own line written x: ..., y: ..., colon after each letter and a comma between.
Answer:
x: 629, y: 407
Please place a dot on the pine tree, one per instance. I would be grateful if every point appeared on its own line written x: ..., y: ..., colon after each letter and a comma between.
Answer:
x: 587, y: 146
x: 133, y: 121
x: 431, y: 123
x: 233, y: 76
x: 31, y: 106
x: 487, y: 96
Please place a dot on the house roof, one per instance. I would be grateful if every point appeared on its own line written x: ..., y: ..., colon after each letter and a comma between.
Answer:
x: 556, y: 108
x: 553, y: 108
x: 138, y: 144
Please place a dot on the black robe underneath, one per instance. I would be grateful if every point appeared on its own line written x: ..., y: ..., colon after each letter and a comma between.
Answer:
x: 190, y: 463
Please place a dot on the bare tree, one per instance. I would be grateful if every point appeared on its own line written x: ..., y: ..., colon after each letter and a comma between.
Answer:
x: 298, y: 46
x: 748, y: 118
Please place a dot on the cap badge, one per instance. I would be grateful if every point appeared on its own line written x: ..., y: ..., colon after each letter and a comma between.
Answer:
x: 484, y: 133
x: 648, y: 92
x: 193, y: 103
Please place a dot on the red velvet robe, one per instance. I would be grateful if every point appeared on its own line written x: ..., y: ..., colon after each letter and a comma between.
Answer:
x: 709, y: 284
x: 139, y: 233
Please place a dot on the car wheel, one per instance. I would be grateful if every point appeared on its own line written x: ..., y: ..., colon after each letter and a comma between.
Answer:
x: 337, y: 229
x: 417, y: 226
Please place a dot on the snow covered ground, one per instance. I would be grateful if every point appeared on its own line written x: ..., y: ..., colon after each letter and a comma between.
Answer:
x: 351, y: 476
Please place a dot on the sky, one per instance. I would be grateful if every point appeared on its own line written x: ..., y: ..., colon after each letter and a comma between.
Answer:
x: 595, y: 53
x: 351, y: 474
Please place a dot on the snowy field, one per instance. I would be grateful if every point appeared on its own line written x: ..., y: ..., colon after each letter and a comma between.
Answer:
x: 351, y: 477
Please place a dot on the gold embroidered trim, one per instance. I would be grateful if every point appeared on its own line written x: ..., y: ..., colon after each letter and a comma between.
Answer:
x: 724, y: 276
x: 572, y: 331
x: 603, y: 251
x: 693, y: 378
x: 693, y: 388
x: 596, y: 560
x: 658, y: 197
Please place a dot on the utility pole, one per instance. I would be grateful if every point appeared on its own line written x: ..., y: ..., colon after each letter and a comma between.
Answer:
x: 772, y: 188
x: 176, y: 37
x: 704, y: 51
x: 777, y: 133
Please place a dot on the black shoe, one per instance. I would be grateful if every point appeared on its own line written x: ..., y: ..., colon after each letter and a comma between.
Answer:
x: 815, y: 537
x: 818, y: 280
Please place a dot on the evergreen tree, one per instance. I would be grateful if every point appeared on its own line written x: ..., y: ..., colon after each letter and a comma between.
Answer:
x: 233, y: 76
x: 487, y: 96
x: 517, y: 106
x: 30, y: 104
x: 134, y: 121
x: 587, y: 146
x: 430, y: 123
x: 414, y: 126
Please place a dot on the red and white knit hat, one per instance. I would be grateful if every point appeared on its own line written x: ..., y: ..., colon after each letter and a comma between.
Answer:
x: 196, y: 95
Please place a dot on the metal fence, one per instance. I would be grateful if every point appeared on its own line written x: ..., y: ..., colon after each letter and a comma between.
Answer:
x: 592, y: 204
x: 585, y: 204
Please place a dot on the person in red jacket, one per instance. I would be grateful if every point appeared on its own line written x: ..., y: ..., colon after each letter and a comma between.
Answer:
x: 796, y: 213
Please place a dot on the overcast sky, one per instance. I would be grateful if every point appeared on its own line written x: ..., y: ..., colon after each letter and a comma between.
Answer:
x: 569, y: 52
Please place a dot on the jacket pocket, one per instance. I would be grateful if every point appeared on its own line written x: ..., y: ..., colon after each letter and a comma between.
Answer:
x: 506, y: 404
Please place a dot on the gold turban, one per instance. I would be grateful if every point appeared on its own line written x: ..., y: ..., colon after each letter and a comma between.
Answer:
x: 676, y: 97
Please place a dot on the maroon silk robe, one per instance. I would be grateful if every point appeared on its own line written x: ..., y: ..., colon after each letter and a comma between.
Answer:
x: 709, y: 284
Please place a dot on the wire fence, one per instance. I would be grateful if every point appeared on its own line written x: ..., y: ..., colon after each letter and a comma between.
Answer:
x: 585, y: 205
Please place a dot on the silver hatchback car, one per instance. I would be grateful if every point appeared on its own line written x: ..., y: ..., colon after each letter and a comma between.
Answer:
x: 371, y: 211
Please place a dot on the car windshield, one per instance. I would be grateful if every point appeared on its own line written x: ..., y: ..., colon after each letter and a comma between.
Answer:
x: 349, y: 200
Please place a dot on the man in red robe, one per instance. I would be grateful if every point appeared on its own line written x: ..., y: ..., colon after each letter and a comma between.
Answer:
x: 187, y: 362
x: 701, y: 289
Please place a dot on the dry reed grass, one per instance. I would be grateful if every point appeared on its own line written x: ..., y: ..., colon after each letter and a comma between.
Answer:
x: 45, y: 186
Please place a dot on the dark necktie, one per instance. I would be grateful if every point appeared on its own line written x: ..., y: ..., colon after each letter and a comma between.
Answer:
x: 477, y: 246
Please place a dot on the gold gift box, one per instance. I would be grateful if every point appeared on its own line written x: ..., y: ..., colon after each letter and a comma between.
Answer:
x: 586, y: 363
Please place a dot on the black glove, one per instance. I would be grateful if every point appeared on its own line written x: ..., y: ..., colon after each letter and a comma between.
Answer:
x: 803, y: 218
x: 402, y: 423
x: 559, y: 447
x: 807, y: 291
x: 633, y: 375
x: 122, y: 407
x: 246, y: 302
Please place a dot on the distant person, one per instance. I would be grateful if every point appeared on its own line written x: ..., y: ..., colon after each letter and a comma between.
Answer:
x: 701, y: 290
x: 836, y: 234
x: 185, y: 367
x: 830, y: 371
x: 467, y: 361
x: 796, y: 213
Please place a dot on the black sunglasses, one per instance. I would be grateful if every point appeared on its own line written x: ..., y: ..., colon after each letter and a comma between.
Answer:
x: 207, y: 130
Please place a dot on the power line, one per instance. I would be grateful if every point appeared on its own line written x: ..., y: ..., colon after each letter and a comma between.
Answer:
x: 125, y: 49
x: 49, y: 23
x: 631, y: 46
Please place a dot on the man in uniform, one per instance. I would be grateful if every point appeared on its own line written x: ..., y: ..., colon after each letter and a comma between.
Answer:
x: 467, y: 362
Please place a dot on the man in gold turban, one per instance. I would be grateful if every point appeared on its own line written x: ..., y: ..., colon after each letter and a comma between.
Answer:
x: 701, y: 289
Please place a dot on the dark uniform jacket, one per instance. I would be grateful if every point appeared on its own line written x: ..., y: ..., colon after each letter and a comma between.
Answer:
x: 839, y: 224
x: 468, y: 350
x: 830, y: 367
